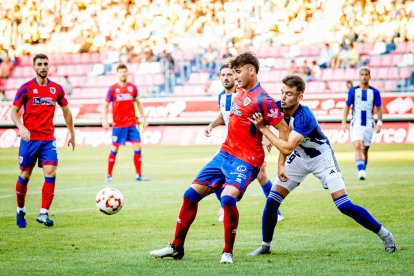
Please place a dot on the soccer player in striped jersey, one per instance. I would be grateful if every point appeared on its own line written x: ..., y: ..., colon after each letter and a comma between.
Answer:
x: 39, y: 97
x: 308, y: 151
x: 237, y: 163
x: 363, y: 99
x: 225, y: 100
x: 122, y: 95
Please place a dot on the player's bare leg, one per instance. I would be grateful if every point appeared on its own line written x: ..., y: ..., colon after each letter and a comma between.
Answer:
x: 364, y: 218
x: 360, y: 159
x: 186, y: 217
x: 269, y: 222
x: 21, y: 191
x: 111, y: 161
x: 48, y: 192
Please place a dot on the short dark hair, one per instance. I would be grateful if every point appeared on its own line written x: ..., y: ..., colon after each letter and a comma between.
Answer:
x: 121, y: 66
x: 224, y: 66
x: 243, y: 59
x: 39, y: 56
x: 364, y: 68
x: 295, y: 81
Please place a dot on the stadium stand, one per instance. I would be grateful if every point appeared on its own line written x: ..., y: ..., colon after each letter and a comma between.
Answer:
x: 82, y: 45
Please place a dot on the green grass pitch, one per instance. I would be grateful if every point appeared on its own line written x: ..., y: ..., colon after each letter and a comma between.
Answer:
x: 315, y: 238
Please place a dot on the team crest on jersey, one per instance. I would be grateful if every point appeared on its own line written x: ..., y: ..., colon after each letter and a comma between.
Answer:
x: 246, y: 101
x: 35, y: 91
x: 117, y: 90
x: 129, y: 88
x: 52, y: 90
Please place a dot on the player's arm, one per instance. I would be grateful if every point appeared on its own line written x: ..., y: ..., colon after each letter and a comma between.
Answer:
x: 141, y: 111
x: 344, y: 117
x: 379, y: 119
x: 24, y: 132
x: 348, y: 103
x: 67, y: 115
x: 219, y: 120
x: 105, y: 123
x: 287, y: 141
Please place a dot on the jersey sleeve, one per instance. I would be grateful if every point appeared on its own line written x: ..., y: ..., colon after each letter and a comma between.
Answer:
x: 377, y: 98
x: 304, y: 122
x: 271, y: 113
x: 351, y: 97
x: 61, y: 100
x: 21, y: 96
x: 109, y: 95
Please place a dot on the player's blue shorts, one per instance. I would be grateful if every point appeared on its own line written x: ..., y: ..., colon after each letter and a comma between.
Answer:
x: 31, y: 151
x: 120, y: 135
x: 225, y: 169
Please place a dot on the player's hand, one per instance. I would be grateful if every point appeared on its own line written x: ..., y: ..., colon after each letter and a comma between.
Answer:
x: 145, y: 123
x: 208, y: 130
x: 343, y: 127
x: 105, y: 124
x: 378, y: 128
x: 72, y: 142
x: 25, y: 134
x: 281, y: 173
x: 257, y: 120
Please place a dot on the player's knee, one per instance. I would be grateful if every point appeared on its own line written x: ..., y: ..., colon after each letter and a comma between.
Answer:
x: 228, y: 201
x: 25, y: 175
x: 192, y: 195
x: 262, y: 178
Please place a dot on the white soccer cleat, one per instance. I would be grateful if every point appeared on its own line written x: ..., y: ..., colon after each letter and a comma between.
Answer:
x: 389, y: 243
x: 168, y: 251
x: 221, y: 215
x: 280, y: 218
x: 362, y: 175
x: 108, y: 179
x: 226, y: 258
x: 263, y: 249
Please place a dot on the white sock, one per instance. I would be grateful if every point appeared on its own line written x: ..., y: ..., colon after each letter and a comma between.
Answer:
x: 43, y: 210
x: 20, y: 209
x: 266, y: 243
x: 383, y: 232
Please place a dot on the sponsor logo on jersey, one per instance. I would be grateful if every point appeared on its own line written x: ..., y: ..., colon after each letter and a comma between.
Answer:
x: 273, y: 113
x: 235, y: 110
x: 124, y: 97
x: 43, y: 101
x: 52, y: 90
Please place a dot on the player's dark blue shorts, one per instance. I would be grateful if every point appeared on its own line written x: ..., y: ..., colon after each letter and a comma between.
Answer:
x: 31, y: 151
x: 120, y: 135
x: 225, y: 169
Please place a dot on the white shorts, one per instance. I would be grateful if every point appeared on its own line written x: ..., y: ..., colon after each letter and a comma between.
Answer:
x: 362, y: 133
x: 324, y: 167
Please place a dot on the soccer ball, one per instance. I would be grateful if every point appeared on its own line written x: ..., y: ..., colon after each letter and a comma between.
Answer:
x: 109, y: 201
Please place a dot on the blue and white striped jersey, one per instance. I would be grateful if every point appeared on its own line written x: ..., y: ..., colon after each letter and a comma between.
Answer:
x: 304, y: 122
x: 225, y: 101
x: 363, y: 102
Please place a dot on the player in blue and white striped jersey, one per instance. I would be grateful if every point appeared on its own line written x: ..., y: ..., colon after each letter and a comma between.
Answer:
x: 362, y: 98
x: 307, y: 151
x: 225, y: 100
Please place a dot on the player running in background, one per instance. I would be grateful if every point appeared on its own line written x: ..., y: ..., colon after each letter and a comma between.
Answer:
x: 225, y: 100
x: 308, y: 151
x: 124, y: 127
x: 363, y: 98
x: 237, y: 163
x: 39, y: 97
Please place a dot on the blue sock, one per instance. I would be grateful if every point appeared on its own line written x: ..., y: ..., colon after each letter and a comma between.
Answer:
x: 359, y: 214
x: 218, y: 193
x: 269, y: 220
x: 360, y: 164
x: 266, y: 188
x: 366, y: 165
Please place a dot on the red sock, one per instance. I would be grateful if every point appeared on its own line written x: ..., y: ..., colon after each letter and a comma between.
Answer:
x: 48, y: 192
x: 230, y: 221
x: 185, y: 219
x: 21, y: 190
x: 137, y: 161
x: 111, y: 161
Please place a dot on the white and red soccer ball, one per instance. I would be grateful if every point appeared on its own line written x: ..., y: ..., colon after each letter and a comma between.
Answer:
x: 109, y: 201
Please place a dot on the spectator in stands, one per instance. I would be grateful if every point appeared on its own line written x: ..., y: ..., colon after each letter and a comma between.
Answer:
x: 209, y: 60
x: 6, y: 67
x: 338, y: 60
x: 349, y: 85
x: 168, y: 67
x: 315, y: 72
x: 3, y: 97
x: 294, y: 68
x: 67, y: 85
x: 325, y: 56
x: 352, y: 57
